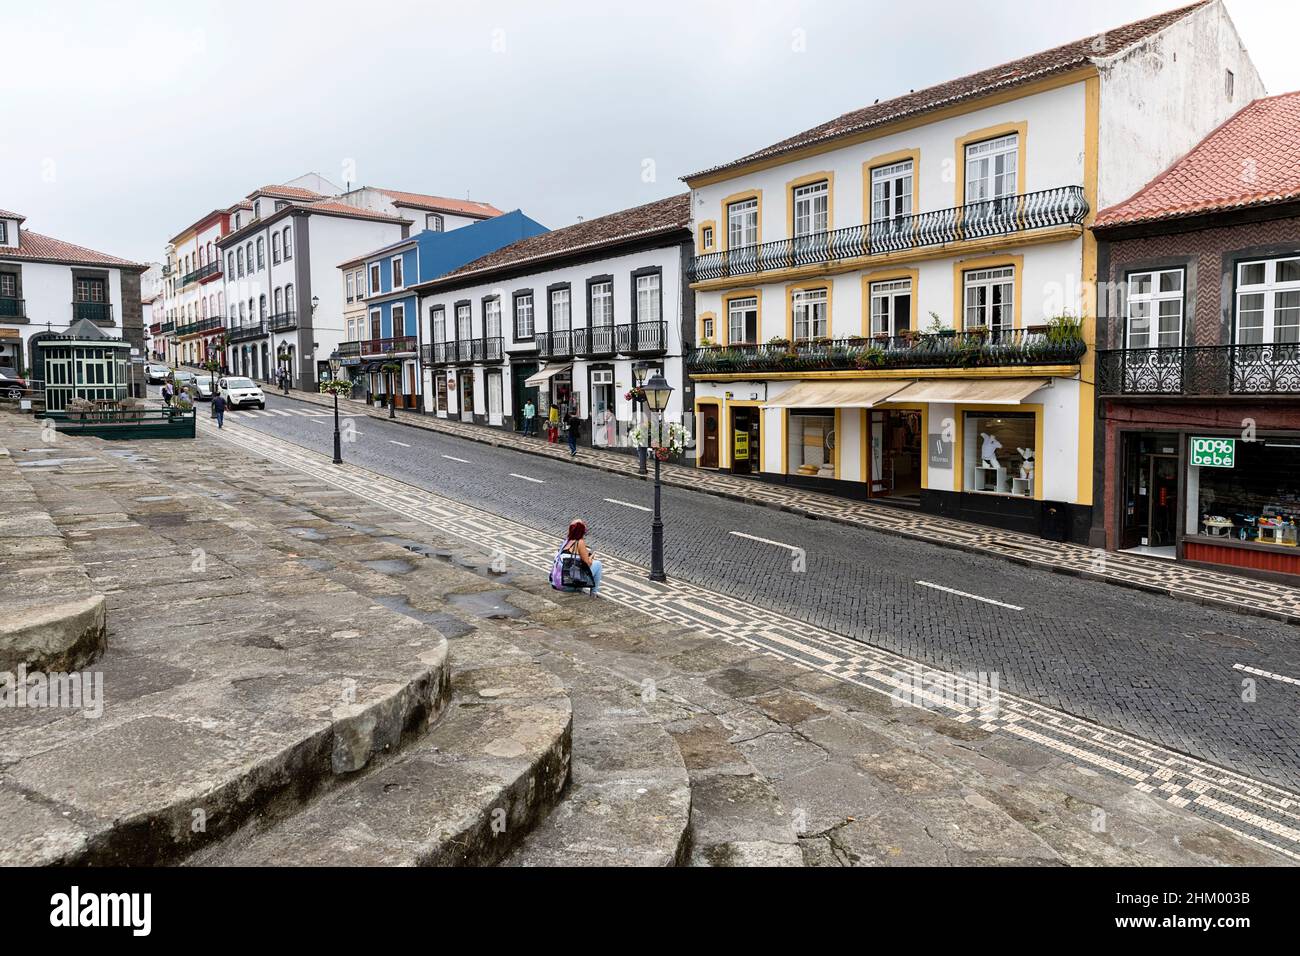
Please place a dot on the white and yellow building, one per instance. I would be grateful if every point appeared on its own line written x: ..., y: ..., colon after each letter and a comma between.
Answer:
x: 898, y: 304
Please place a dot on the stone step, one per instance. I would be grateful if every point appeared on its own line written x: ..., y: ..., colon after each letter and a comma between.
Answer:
x: 465, y: 794
x: 630, y: 799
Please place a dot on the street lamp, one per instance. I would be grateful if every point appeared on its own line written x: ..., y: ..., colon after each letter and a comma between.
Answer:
x: 638, y: 382
x: 335, y: 365
x: 657, y: 392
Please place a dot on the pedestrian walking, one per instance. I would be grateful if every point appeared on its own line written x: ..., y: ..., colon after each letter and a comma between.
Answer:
x: 530, y: 418
x: 284, y: 381
x: 219, y: 410
x: 571, y: 425
x: 575, y: 567
x: 553, y: 425
x: 167, y: 392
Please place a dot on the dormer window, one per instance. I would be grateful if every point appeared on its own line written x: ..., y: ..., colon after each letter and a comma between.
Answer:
x: 433, y: 222
x: 257, y: 209
x: 280, y: 204
x: 237, y: 220
x: 4, y: 232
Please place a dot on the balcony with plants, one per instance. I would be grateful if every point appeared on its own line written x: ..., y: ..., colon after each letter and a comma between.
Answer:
x: 1005, y: 216
x: 1059, y: 341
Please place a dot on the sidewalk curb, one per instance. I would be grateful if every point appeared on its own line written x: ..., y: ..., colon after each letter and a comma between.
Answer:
x: 1281, y: 616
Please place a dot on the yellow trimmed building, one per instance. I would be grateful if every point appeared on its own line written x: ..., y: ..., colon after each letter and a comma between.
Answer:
x: 898, y: 304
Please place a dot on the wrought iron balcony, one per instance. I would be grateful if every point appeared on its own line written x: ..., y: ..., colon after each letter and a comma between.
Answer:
x: 1064, y: 205
x: 13, y: 310
x: 599, y: 340
x: 558, y: 344
x: 207, y: 270
x: 492, y: 349
x: 100, y: 313
x: 1012, y: 347
x: 283, y: 321
x: 247, y: 331
x: 640, y: 338
x: 1266, y: 369
x: 349, y: 349
x: 396, y: 345
x: 168, y: 327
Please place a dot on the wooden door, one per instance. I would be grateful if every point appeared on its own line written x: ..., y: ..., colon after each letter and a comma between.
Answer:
x: 709, y: 428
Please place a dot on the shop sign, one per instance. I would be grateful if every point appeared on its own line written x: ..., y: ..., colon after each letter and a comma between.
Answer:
x: 1214, y: 452
x: 742, y: 446
x: 940, y: 452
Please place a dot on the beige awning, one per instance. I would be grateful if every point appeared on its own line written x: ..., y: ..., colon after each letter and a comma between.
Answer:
x: 544, y: 376
x: 852, y: 394
x: 972, y: 391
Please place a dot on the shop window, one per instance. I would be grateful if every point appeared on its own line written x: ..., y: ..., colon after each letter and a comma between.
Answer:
x: 1244, y: 490
x: 999, y: 453
x: 811, y: 436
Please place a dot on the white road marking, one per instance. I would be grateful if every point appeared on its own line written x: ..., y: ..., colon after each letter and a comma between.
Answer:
x: 627, y: 504
x: 966, y: 594
x: 394, y: 441
x: 526, y: 478
x: 751, y: 537
x: 1255, y: 670
x: 463, y: 461
x: 279, y: 411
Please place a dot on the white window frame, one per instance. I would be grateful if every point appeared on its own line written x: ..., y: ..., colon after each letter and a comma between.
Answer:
x: 396, y: 272
x: 706, y: 237
x: 742, y: 223
x: 992, y: 167
x: 464, y: 322
x: 398, y: 308
x: 524, y: 310
x: 737, y: 309
x: 492, y: 317
x: 809, y: 310
x: 601, y: 305
x: 433, y: 222
x: 1270, y: 292
x: 988, y: 280
x: 438, y: 323
x: 375, y: 278
x: 351, y: 286
x: 288, y: 243
x: 1154, y: 303
x: 560, y: 297
x: 884, y: 305
x: 648, y: 298
x: 891, y: 191
x: 812, y: 208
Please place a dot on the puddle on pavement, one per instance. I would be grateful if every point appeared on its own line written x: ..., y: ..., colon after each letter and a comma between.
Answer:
x: 492, y: 605
x: 51, y: 462
x: 311, y: 534
x: 387, y: 566
x: 446, y: 625
x: 155, y: 498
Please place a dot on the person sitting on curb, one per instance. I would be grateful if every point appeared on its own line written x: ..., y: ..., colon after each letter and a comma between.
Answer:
x: 584, y: 570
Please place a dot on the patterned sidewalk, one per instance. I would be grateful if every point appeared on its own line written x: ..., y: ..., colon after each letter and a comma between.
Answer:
x: 1227, y: 591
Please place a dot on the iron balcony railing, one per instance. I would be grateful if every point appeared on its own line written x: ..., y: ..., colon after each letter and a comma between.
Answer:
x: 599, y: 340
x: 349, y: 349
x: 1009, y: 347
x: 282, y: 321
x: 639, y: 338
x: 168, y: 327
x: 208, y: 269
x: 11, y: 308
x: 396, y: 345
x: 95, y: 311
x: 1064, y: 205
x: 198, y: 326
x: 556, y: 344
x: 248, y: 330
x: 1261, y: 369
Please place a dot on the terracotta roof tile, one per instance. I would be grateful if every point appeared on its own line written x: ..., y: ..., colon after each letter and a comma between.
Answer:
x: 1026, y: 69
x: 32, y: 245
x: 6, y: 214
x: 442, y: 204
x: 663, y: 215
x: 286, y: 192
x: 1253, y: 159
x: 328, y: 205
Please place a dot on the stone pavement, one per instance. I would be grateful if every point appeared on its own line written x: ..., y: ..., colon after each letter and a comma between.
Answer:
x: 794, y: 738
x: 1214, y: 588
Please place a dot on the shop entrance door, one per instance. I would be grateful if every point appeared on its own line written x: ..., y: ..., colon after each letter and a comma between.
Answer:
x: 709, y: 448
x: 1150, y: 493
x: 896, y: 441
x: 746, y: 454
x: 466, y: 383
x: 494, y: 399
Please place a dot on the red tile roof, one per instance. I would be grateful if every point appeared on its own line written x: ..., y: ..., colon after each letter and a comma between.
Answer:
x: 664, y: 215
x: 1059, y: 59
x: 329, y: 205
x: 286, y: 192
x: 32, y: 245
x: 6, y: 214
x: 1253, y: 159
x: 463, y: 207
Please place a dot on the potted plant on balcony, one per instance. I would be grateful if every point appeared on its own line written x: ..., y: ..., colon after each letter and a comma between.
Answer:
x: 937, y: 327
x: 778, y: 342
x: 855, y: 341
x: 1064, y: 329
x: 870, y: 358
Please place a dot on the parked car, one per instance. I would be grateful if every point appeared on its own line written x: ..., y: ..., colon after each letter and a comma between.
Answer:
x: 239, y: 392
x: 156, y: 373
x: 12, y: 385
x: 182, y: 380
x: 203, y: 386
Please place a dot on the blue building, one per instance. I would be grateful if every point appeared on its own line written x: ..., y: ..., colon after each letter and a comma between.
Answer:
x: 386, y: 328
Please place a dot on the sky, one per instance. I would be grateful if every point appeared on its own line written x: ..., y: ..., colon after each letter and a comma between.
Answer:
x: 121, y: 124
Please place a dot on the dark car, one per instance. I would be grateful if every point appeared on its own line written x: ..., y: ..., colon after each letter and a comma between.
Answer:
x: 12, y: 385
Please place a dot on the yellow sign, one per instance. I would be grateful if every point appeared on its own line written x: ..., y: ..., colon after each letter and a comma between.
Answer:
x: 741, y: 446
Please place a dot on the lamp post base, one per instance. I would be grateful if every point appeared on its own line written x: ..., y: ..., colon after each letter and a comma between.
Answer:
x: 657, y: 536
x: 338, y: 445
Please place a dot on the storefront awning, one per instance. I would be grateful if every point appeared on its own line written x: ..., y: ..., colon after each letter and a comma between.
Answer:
x: 544, y: 376
x: 984, y: 391
x: 856, y: 394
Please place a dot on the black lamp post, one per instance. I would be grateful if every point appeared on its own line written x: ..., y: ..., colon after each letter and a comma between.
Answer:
x: 638, y: 381
x: 657, y: 392
x: 335, y: 364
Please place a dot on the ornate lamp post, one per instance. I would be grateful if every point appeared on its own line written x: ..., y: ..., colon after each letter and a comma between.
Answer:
x: 657, y: 392
x: 335, y: 365
x: 638, y: 386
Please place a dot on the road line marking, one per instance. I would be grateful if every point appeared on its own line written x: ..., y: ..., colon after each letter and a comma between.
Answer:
x: 1255, y: 670
x: 751, y: 537
x: 394, y: 441
x: 966, y: 594
x: 627, y: 504
x: 463, y: 461
x: 526, y: 478
x: 279, y: 411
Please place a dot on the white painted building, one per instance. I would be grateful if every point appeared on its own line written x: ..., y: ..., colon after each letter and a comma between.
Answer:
x: 562, y: 319
x: 960, y: 211
x: 47, y: 285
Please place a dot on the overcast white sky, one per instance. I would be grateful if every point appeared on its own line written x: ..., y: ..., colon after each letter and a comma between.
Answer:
x: 122, y: 123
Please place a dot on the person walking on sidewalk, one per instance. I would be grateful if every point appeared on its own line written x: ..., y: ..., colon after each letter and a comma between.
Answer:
x: 167, y: 393
x: 219, y: 410
x: 575, y: 565
x: 553, y: 425
x: 530, y: 418
x: 571, y: 425
x: 284, y: 380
